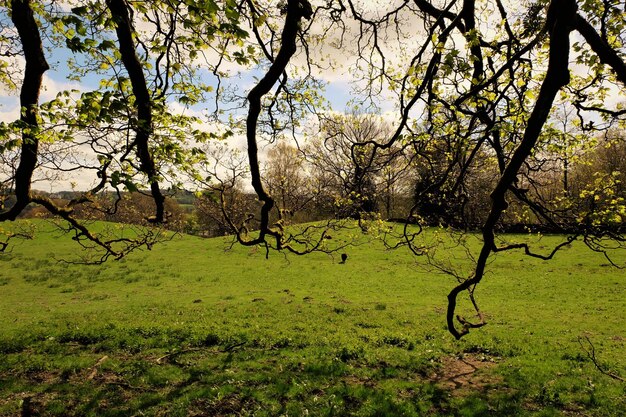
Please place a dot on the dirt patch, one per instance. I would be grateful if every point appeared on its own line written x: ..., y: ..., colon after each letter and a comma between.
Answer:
x: 465, y: 372
x: 27, y: 404
x: 359, y: 381
x: 229, y: 405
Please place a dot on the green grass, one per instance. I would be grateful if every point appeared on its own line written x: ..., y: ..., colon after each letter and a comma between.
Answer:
x: 193, y: 328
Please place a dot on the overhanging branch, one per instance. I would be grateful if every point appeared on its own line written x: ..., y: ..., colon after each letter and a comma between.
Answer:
x: 559, y: 23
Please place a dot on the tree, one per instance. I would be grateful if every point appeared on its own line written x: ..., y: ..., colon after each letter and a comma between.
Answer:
x: 210, y: 209
x: 343, y: 153
x: 133, y: 140
x: 394, y: 183
x: 481, y: 97
x: 473, y: 86
x: 285, y: 177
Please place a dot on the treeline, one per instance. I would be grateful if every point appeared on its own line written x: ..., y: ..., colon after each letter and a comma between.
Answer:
x: 338, y: 176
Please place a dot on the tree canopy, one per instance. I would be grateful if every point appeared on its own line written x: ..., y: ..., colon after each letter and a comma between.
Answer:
x: 498, y: 112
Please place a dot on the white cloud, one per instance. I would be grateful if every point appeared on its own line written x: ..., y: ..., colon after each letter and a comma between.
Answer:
x: 9, y: 113
x: 10, y: 103
x: 52, y: 86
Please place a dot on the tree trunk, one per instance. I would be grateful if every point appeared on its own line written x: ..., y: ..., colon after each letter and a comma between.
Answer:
x: 24, y: 20
x: 143, y: 102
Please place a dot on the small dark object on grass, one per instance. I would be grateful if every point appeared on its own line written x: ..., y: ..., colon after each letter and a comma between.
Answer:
x: 344, y: 257
x: 197, y: 301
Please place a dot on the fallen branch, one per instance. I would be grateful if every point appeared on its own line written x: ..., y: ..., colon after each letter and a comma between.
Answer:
x: 94, y: 369
x: 227, y: 349
x: 591, y: 353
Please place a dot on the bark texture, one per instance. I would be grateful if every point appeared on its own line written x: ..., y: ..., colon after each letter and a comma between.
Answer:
x: 296, y: 10
x: 560, y: 21
x: 36, y: 65
x: 143, y: 102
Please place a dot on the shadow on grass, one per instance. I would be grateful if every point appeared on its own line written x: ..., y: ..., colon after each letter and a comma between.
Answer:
x: 257, y: 382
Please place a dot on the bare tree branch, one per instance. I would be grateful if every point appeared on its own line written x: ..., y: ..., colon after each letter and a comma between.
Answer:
x: 559, y: 23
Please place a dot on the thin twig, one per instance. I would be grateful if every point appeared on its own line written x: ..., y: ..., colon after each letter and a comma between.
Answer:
x: 591, y: 353
x: 227, y: 349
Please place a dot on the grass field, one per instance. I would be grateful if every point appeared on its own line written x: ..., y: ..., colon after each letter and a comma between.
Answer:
x: 192, y: 328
